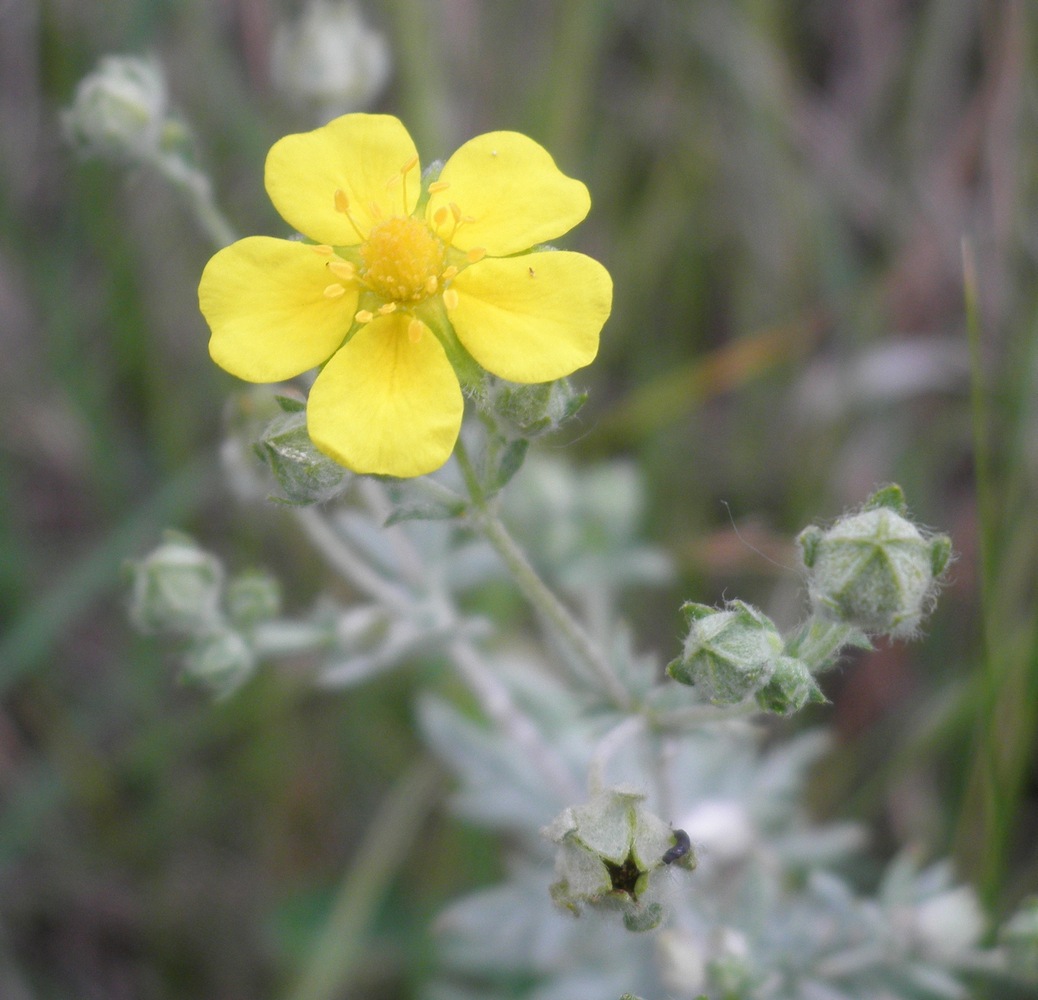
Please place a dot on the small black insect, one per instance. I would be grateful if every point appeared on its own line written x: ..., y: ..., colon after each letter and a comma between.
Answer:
x: 682, y: 845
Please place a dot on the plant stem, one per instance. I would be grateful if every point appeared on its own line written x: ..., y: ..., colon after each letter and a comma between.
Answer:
x: 535, y: 590
x: 197, y: 189
x: 351, y: 567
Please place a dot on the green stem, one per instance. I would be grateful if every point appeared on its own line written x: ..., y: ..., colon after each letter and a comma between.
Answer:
x: 535, y: 590
x: 819, y: 641
x: 197, y: 189
x: 385, y: 849
x: 993, y: 793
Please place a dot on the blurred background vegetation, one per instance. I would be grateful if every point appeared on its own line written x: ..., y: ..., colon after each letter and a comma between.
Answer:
x: 782, y: 191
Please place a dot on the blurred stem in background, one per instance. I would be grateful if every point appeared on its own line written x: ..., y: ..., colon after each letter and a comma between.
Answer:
x: 1007, y: 683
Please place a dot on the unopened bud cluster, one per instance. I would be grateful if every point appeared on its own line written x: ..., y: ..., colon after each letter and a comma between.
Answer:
x: 737, y: 652
x: 612, y: 853
x: 181, y: 591
x: 871, y: 573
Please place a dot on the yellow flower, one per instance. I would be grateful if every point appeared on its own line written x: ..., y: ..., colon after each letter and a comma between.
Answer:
x: 395, y: 276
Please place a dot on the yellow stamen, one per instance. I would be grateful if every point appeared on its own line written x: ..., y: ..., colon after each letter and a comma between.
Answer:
x: 404, y: 171
x: 440, y: 216
x: 386, y: 308
x: 342, y: 269
x: 334, y: 291
x: 414, y: 331
x: 402, y: 259
x: 437, y: 186
x: 450, y: 298
x: 322, y: 250
x: 475, y: 255
x: 449, y: 273
x: 342, y: 205
x: 364, y: 316
x: 455, y: 211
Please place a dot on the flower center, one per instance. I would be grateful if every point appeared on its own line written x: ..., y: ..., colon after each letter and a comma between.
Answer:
x: 402, y: 260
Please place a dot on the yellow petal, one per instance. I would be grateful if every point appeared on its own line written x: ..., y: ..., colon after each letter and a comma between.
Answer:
x: 265, y: 303
x: 513, y: 192
x: 360, y: 155
x: 532, y: 318
x: 387, y: 403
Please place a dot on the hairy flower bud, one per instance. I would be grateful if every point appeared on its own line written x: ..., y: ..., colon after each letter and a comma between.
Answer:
x: 305, y: 475
x: 330, y: 58
x: 535, y: 409
x: 790, y: 688
x: 222, y: 660
x: 253, y: 597
x: 177, y: 589
x: 119, y: 110
x: 730, y: 652
x: 874, y: 570
x: 611, y: 852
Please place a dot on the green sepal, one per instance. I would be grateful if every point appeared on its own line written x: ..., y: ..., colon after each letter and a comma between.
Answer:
x: 645, y: 918
x: 892, y: 497
x: 940, y: 554
x: 289, y: 404
x: 423, y: 499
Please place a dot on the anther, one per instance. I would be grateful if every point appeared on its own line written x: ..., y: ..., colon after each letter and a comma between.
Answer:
x: 414, y: 331
x: 476, y: 254
x: 437, y: 186
x: 322, y: 250
x: 386, y: 308
x: 334, y: 291
x: 364, y: 316
x: 455, y: 211
x: 342, y: 203
x: 409, y: 165
x: 450, y: 298
x: 342, y: 269
x: 448, y: 273
x: 440, y: 216
x: 431, y: 284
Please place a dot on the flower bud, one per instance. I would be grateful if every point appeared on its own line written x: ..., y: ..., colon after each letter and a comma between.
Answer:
x: 729, y: 653
x: 874, y: 570
x: 531, y: 410
x: 306, y: 476
x: 790, y: 688
x: 177, y: 589
x: 119, y: 109
x: 222, y: 660
x: 253, y: 597
x: 611, y: 852
x: 329, y: 58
